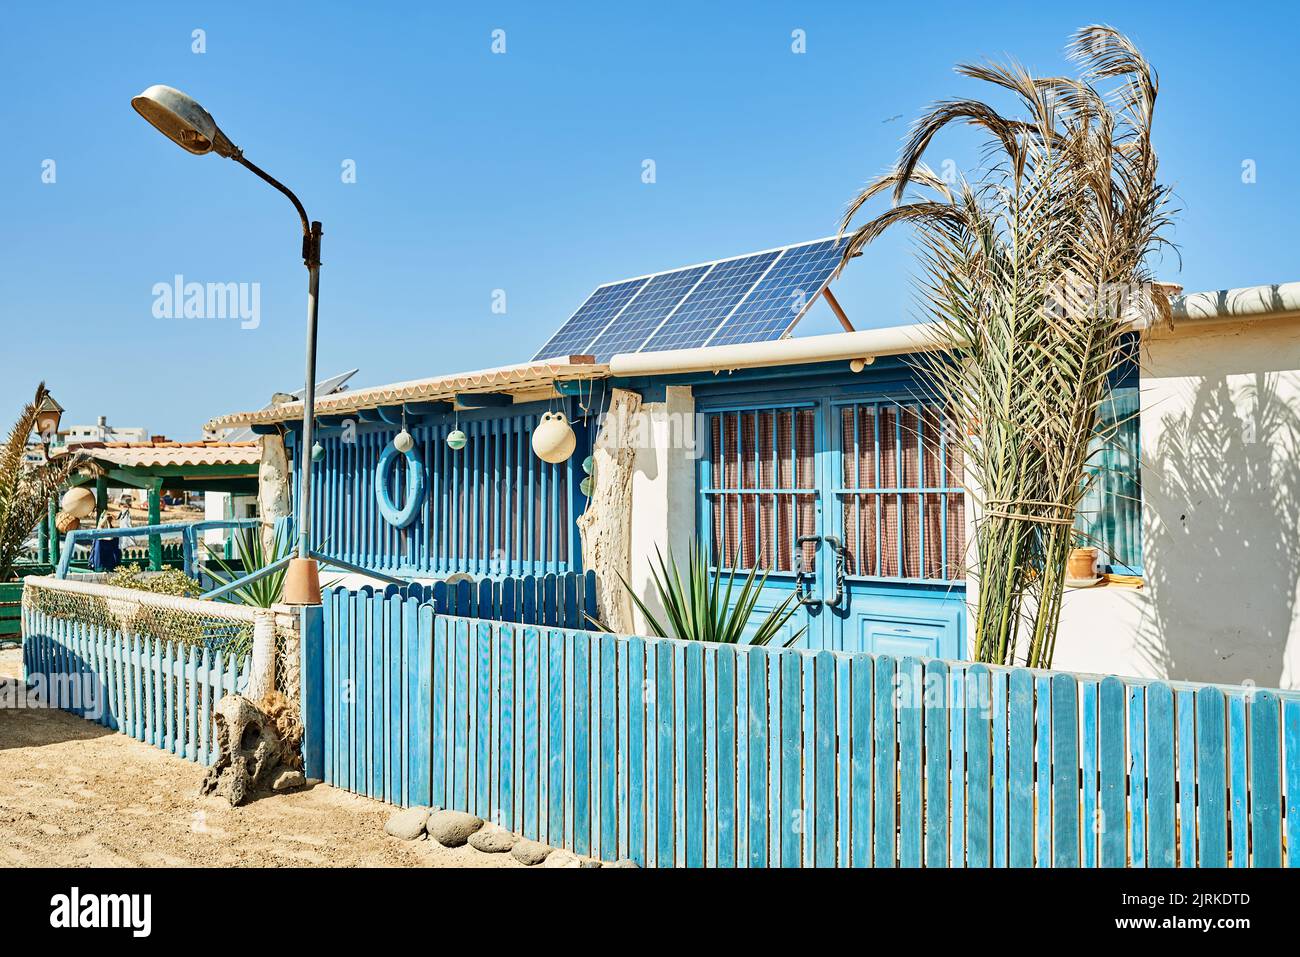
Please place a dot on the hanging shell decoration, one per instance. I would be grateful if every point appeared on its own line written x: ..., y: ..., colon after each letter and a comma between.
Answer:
x: 317, y: 452
x: 78, y: 502
x: 553, y: 439
x: 403, y: 442
x: 456, y: 440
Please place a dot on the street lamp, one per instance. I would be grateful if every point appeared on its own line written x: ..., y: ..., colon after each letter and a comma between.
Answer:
x: 192, y: 128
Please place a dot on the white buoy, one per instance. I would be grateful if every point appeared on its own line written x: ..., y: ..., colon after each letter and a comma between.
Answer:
x: 553, y: 439
x: 403, y: 442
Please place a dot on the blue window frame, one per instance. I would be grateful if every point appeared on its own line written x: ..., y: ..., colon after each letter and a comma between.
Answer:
x: 1110, y: 515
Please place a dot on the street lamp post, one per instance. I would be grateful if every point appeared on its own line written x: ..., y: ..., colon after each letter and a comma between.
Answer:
x: 191, y: 127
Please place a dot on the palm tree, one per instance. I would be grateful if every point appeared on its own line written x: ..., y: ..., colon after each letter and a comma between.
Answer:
x: 1032, y: 273
x: 25, y: 490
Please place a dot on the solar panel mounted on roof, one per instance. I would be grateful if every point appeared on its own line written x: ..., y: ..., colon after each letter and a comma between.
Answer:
x: 573, y: 338
x: 747, y: 298
x: 643, y: 315
x: 783, y: 295
x: 710, y: 302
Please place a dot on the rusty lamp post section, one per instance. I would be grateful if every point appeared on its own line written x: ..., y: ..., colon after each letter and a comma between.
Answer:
x: 191, y: 127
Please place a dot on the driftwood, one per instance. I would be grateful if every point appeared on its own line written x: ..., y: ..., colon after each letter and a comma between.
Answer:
x: 606, y: 526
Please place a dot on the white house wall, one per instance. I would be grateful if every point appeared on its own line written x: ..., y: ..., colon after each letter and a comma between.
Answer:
x: 663, y: 489
x: 1220, y: 433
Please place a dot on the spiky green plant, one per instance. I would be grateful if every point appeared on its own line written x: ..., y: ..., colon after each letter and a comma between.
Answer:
x: 1031, y: 274
x: 699, y: 609
x: 253, y: 556
x: 25, y: 490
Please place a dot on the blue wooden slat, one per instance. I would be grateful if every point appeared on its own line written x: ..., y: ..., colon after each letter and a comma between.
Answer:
x: 794, y: 815
x: 1043, y: 771
x: 823, y: 817
x: 979, y: 816
x: 726, y: 726
x: 1161, y: 812
x: 609, y: 803
x: 1291, y: 762
x: 1020, y: 769
x: 636, y: 745
x: 935, y: 703
x: 483, y: 723
x: 665, y: 854
x: 1111, y: 823
x: 757, y: 677
x: 910, y: 755
x: 883, y: 825
x: 1137, y: 772
x: 420, y: 660
x: 557, y: 708
x: 1001, y: 777
x: 1088, y: 692
x: 1237, y: 748
x: 507, y: 763
x: 1265, y: 781
x: 694, y: 778
x: 1065, y: 772
x: 582, y: 715
x: 1211, y: 778
x: 1185, y: 718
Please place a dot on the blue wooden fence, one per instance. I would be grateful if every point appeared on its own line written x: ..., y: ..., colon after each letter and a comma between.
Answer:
x: 684, y: 754
x: 154, y: 691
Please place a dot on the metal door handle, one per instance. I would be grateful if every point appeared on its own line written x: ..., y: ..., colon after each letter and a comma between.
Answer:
x: 805, y: 597
x: 838, y: 571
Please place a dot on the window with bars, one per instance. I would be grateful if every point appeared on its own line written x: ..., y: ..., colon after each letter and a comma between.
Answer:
x: 761, y: 488
x: 902, y: 506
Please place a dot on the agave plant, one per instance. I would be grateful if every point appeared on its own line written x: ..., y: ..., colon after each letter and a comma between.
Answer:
x: 254, y: 556
x: 700, y: 609
x: 25, y: 490
x: 1032, y: 273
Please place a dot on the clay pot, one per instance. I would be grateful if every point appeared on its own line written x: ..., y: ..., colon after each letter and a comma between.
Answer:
x: 1082, y: 563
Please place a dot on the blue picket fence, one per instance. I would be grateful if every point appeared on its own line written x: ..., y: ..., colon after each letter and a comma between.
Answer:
x: 154, y: 691
x: 684, y: 754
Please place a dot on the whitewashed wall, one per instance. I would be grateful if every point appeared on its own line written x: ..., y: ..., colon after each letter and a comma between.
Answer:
x: 1221, y: 517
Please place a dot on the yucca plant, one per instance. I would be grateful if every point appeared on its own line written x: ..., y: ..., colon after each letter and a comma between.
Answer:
x: 253, y: 556
x: 25, y: 490
x: 700, y: 609
x: 1032, y: 272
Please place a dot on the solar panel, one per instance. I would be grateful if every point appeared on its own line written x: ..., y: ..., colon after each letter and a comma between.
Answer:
x: 748, y: 298
x: 710, y: 302
x: 659, y: 297
x: 782, y: 296
x: 573, y: 338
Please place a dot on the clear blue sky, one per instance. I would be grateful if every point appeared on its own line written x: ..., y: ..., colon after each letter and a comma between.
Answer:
x: 522, y: 171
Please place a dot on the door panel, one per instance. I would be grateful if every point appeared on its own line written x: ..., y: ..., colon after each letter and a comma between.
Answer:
x: 857, y: 503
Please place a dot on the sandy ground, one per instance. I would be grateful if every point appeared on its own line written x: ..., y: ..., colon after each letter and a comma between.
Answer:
x: 74, y: 794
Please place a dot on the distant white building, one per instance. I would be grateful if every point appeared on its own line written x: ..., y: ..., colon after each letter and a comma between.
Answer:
x: 101, y: 431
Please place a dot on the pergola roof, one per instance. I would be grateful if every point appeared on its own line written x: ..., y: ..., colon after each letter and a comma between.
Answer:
x: 198, y: 466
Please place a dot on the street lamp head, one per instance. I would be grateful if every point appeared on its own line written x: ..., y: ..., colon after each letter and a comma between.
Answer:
x: 183, y: 121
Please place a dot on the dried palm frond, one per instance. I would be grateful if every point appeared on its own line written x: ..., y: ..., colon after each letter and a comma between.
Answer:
x: 1032, y: 274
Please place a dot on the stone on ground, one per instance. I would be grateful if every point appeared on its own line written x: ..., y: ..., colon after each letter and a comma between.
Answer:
x: 530, y: 852
x: 408, y: 824
x: 562, y: 858
x: 287, y: 780
x: 492, y: 840
x: 625, y: 862
x: 452, y: 828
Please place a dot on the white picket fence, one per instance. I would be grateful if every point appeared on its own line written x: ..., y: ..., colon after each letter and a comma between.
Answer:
x: 155, y: 690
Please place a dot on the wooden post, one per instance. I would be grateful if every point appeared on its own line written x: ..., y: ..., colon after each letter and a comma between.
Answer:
x: 52, y: 518
x: 311, y: 647
x: 606, y: 526
x: 101, y: 496
x: 273, y: 478
x: 155, y: 518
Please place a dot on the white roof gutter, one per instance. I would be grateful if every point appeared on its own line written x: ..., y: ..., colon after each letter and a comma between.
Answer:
x: 1226, y: 305
x: 865, y: 344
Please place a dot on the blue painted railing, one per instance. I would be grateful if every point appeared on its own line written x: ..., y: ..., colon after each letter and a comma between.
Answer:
x: 566, y: 601
x: 154, y: 691
x: 685, y: 754
x: 188, y: 531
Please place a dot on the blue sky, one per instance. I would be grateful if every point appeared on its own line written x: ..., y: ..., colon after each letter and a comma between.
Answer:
x: 522, y: 171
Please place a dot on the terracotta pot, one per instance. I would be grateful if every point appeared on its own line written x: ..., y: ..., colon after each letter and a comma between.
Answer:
x: 1082, y: 563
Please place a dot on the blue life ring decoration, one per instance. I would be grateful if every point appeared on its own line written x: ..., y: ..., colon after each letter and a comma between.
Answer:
x: 399, y: 517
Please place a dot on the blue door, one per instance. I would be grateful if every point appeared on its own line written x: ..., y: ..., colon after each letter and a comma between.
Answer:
x: 854, y: 505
